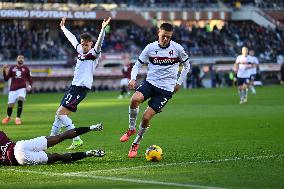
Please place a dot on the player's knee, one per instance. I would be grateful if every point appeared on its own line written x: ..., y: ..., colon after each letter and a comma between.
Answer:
x: 136, y: 100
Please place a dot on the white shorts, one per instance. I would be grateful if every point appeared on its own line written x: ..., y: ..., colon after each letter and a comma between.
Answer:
x: 14, y: 95
x: 31, y: 152
x: 124, y: 81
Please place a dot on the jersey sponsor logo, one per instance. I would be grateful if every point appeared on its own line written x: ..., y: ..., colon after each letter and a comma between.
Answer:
x: 163, y: 61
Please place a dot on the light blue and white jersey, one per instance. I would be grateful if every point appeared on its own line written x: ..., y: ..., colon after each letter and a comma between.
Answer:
x: 244, y: 70
x: 163, y: 64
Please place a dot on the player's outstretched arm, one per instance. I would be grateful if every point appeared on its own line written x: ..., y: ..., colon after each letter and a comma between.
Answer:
x: 68, y: 34
x: 99, y: 42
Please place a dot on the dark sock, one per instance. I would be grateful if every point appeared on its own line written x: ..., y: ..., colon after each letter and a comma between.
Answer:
x: 74, y: 156
x: 20, y: 108
x: 81, y: 130
x: 124, y: 90
x: 9, y: 111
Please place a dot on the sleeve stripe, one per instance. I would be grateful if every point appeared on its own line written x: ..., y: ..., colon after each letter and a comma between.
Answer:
x: 141, y: 61
x: 77, y: 46
x: 185, y: 60
x: 97, y: 52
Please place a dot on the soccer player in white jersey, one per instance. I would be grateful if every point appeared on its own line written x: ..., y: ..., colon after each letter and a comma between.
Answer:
x: 253, y: 71
x: 242, y: 67
x: 163, y: 58
x: 83, y: 78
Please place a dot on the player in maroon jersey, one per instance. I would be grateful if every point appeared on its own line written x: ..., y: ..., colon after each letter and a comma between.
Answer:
x: 32, y: 152
x: 126, y: 72
x: 19, y: 75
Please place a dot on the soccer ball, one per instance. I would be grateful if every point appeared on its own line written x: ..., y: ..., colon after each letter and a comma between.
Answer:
x: 154, y: 153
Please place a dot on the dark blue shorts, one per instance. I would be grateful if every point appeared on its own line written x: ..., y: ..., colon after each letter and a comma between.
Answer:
x: 73, y: 97
x: 158, y: 97
x: 242, y: 81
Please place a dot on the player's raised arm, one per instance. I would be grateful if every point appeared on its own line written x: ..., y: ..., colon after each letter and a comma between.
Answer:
x: 6, y: 72
x: 68, y: 34
x: 99, y: 42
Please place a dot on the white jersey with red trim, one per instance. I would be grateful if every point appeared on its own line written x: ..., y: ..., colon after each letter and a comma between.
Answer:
x: 86, y: 62
x: 163, y: 63
x: 85, y: 67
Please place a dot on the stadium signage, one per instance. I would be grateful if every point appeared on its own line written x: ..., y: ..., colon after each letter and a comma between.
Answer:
x: 47, y: 14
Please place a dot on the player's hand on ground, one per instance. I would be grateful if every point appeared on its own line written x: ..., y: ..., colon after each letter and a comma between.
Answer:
x: 176, y: 88
x: 106, y: 22
x: 131, y: 84
x: 62, y: 21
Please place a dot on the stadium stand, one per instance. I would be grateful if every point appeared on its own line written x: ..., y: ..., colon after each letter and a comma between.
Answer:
x: 40, y: 39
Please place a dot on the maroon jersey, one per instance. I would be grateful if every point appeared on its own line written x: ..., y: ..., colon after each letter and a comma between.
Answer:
x: 7, y: 150
x: 126, y: 71
x: 19, y: 76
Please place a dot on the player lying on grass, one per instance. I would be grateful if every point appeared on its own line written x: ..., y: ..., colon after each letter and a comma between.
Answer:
x: 163, y: 58
x: 87, y: 62
x: 32, y: 152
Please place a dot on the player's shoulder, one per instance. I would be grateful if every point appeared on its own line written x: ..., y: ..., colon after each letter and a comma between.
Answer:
x: 154, y: 44
x: 176, y: 44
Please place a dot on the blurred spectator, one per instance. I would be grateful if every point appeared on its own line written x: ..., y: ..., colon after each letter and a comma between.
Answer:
x: 35, y: 41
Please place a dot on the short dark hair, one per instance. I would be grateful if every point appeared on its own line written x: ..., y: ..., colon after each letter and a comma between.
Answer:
x: 86, y: 36
x: 167, y: 27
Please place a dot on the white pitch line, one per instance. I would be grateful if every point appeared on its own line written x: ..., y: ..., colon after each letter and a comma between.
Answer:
x: 75, y: 174
x: 184, y: 163
x: 88, y: 174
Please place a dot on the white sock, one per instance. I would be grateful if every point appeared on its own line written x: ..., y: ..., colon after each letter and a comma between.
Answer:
x: 56, y: 126
x: 67, y: 122
x: 252, y: 89
x: 240, y: 93
x: 246, y: 93
x: 140, y: 134
x: 133, y: 113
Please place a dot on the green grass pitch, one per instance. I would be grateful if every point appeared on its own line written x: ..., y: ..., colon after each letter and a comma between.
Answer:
x: 209, y: 140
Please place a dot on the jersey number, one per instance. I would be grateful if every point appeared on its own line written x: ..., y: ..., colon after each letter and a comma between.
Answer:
x: 68, y: 98
x: 163, y: 102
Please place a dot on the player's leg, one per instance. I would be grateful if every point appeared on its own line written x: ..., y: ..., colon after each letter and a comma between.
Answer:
x: 156, y: 104
x: 144, y: 126
x: 245, y: 92
x: 69, y: 104
x: 251, y: 84
x: 133, y: 111
x: 62, y: 115
x: 72, y: 133
x: 18, y: 120
x: 69, y: 157
x: 12, y: 98
x: 240, y: 82
x: 9, y: 113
